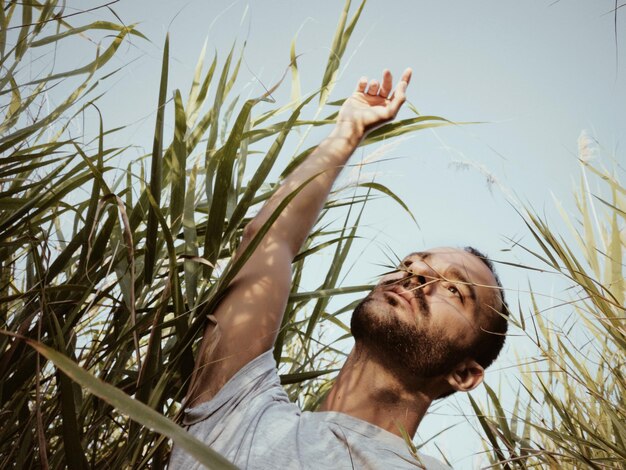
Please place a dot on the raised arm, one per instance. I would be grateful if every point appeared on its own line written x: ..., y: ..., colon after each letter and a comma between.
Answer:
x: 246, y: 321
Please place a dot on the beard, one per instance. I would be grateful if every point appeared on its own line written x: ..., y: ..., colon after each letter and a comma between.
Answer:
x: 411, y: 350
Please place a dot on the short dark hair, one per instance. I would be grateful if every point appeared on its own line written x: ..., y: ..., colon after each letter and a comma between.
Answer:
x: 492, y: 336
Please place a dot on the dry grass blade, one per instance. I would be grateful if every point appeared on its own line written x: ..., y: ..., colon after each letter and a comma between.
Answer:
x: 573, y: 396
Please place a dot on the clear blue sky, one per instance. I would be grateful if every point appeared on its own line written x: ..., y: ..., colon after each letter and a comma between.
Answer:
x: 534, y: 73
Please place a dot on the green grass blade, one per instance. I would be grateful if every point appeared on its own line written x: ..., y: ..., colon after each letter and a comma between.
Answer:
x: 136, y: 410
x: 192, y: 269
x: 178, y: 173
x: 102, y: 25
x: 155, y: 170
x: 223, y: 184
x: 287, y: 379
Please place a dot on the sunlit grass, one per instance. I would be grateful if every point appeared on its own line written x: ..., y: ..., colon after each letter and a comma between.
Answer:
x: 570, y: 410
x: 105, y: 282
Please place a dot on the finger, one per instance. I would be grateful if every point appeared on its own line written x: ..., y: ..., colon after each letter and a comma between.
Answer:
x: 406, y: 75
x: 360, y: 87
x: 373, y: 88
x: 385, y: 87
x: 399, y: 94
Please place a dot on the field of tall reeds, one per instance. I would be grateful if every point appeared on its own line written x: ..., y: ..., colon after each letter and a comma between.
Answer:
x: 107, y: 272
x: 570, y: 404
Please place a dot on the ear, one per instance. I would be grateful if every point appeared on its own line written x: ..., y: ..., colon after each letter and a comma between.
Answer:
x: 466, y: 376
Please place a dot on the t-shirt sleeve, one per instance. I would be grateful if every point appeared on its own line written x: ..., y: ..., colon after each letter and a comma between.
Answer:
x: 252, y: 381
x: 224, y: 422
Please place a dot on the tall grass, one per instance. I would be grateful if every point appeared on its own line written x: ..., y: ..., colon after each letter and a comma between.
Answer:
x: 570, y: 411
x: 105, y: 282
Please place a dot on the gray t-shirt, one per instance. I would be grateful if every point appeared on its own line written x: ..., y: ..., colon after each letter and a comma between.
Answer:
x: 253, y: 424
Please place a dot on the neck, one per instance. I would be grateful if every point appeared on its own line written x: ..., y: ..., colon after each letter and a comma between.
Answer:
x: 368, y: 390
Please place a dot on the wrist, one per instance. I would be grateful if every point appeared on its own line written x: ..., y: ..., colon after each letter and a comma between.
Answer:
x: 349, y: 131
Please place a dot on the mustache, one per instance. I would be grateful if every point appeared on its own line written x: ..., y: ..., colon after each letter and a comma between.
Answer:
x: 415, y: 288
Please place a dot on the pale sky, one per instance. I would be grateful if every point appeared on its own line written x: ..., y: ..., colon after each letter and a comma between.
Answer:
x: 535, y: 74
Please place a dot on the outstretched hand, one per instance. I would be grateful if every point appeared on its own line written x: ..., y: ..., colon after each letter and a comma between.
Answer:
x: 371, y: 106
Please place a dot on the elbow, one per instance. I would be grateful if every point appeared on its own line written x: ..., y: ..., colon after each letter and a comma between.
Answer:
x: 250, y: 231
x: 273, y: 240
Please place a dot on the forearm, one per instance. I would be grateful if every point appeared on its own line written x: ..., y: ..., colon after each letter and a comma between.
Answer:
x: 323, y: 165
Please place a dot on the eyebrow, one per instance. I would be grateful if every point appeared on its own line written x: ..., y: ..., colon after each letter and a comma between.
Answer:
x: 423, y: 255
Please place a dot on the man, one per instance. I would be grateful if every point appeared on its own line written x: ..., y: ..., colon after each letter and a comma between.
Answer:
x: 425, y: 331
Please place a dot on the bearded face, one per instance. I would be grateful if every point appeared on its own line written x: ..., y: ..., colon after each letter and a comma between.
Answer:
x: 412, y: 348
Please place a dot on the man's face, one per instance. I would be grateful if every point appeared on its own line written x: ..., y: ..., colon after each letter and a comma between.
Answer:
x: 425, y: 317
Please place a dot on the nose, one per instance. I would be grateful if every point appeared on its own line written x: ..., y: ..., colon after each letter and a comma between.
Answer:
x: 421, y: 275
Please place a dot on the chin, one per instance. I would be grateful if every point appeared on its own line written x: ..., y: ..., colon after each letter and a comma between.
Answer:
x: 373, y: 310
x: 374, y: 318
x: 408, y: 348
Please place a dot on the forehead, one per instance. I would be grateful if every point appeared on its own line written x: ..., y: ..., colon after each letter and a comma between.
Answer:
x: 447, y: 258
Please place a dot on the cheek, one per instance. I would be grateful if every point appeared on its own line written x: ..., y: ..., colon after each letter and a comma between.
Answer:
x: 453, y: 320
